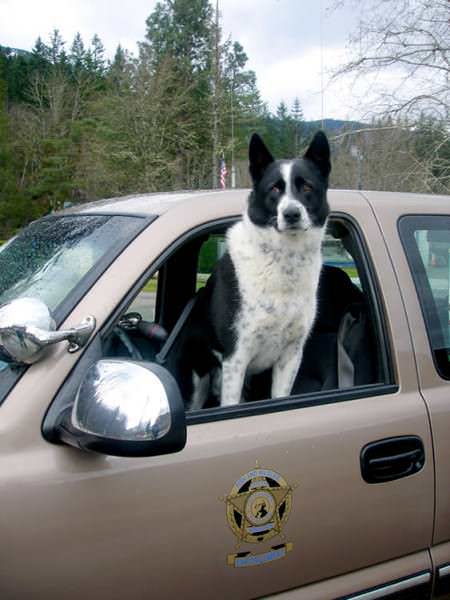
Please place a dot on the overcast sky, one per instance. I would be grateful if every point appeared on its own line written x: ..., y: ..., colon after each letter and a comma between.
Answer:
x: 281, y: 37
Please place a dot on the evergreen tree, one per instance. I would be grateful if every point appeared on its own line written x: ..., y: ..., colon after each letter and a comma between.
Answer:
x: 16, y: 68
x: 117, y: 74
x: 285, y: 128
x: 298, y: 125
x: 242, y: 107
x: 180, y: 36
x: 181, y: 29
x: 56, y: 53
x: 77, y: 56
x: 95, y: 59
x: 40, y: 56
x: 14, y: 209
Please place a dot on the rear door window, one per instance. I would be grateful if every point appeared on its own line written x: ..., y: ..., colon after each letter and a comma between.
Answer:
x: 426, y: 239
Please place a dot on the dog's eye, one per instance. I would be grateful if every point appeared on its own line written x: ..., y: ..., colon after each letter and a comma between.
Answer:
x: 278, y: 187
x: 302, y: 186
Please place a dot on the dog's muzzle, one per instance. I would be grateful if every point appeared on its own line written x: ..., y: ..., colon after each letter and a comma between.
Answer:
x: 292, y: 216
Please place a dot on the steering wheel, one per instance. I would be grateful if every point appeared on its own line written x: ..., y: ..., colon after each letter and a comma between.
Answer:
x: 133, y: 322
x: 126, y: 341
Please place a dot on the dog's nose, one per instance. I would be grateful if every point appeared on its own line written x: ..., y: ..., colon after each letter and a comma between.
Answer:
x: 291, y: 215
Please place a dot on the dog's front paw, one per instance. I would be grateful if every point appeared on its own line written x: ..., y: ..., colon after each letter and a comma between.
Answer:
x: 229, y: 401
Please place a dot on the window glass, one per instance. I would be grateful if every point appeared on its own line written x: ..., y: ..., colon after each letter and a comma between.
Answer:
x: 336, y: 255
x: 210, y: 252
x: 333, y: 250
x: 145, y: 302
x: 427, y: 244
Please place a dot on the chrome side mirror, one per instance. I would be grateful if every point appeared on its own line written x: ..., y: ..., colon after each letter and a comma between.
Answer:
x: 125, y: 408
x: 27, y: 328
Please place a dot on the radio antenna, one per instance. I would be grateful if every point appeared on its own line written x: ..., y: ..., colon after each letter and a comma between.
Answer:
x: 322, y: 93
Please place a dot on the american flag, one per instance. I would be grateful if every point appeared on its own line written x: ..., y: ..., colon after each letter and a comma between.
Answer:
x: 223, y: 173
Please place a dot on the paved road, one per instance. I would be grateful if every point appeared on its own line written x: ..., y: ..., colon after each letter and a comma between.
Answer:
x: 144, y: 303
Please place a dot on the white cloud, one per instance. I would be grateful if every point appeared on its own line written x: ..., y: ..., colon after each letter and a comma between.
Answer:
x: 22, y: 21
x: 301, y: 76
x: 281, y: 37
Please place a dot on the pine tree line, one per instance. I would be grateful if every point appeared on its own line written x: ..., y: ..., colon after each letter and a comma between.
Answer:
x: 75, y: 126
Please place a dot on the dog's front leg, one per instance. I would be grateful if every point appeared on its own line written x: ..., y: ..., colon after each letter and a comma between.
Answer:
x: 200, y: 391
x: 285, y: 370
x: 233, y: 374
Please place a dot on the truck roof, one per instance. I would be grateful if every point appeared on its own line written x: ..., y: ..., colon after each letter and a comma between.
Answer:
x: 158, y: 203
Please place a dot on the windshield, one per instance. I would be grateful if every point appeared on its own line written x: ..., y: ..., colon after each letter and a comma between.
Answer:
x: 50, y: 257
x: 56, y: 259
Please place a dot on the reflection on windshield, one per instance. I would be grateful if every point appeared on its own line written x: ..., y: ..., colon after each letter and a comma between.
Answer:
x: 50, y: 257
x: 56, y: 276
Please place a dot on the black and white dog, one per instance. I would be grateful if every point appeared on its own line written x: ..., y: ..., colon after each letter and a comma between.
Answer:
x: 260, y: 302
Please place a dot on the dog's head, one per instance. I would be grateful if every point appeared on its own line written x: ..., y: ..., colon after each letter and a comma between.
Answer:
x: 290, y: 196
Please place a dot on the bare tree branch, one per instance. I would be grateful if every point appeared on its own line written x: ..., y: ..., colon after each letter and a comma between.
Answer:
x: 412, y: 36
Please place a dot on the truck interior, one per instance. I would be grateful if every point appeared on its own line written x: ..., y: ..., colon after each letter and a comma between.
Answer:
x: 344, y: 348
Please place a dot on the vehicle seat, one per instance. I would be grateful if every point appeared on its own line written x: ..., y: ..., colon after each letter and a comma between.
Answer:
x: 339, y: 352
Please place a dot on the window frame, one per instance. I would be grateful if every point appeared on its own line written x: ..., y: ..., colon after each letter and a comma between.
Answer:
x: 371, y: 287
x: 407, y: 225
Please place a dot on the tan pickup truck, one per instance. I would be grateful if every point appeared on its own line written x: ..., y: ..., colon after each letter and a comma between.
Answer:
x: 109, y: 489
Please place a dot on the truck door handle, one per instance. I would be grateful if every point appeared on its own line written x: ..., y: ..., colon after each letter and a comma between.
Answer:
x: 392, y: 458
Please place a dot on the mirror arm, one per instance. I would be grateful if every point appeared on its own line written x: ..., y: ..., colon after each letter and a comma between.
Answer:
x: 77, y: 336
x: 63, y: 431
x: 27, y: 327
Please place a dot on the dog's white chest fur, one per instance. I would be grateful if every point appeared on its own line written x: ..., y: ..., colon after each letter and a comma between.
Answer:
x: 277, y: 277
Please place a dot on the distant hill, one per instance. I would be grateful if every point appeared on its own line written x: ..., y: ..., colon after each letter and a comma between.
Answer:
x: 8, y: 51
x: 333, y: 125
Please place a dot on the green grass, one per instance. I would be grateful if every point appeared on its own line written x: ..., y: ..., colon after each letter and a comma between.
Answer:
x: 351, y: 272
x: 151, y: 286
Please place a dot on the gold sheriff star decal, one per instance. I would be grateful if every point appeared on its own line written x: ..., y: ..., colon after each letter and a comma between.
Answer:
x: 258, y: 506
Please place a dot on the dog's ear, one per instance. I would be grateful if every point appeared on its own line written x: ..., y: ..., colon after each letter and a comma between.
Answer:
x: 319, y: 153
x: 259, y: 157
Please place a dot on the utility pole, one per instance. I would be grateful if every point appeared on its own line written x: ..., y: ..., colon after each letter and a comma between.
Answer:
x: 321, y: 65
x: 215, y: 102
x: 233, y: 168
